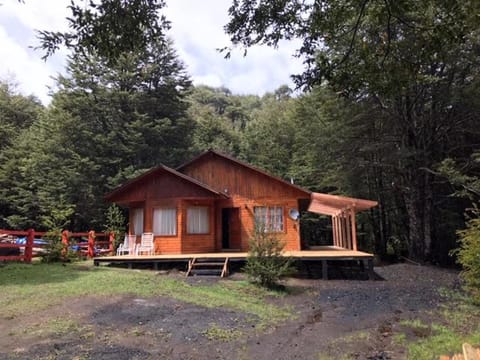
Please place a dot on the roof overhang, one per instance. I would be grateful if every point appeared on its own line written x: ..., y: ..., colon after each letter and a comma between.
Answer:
x: 334, y: 205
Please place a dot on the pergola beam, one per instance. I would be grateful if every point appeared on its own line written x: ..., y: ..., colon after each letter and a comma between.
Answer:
x: 343, y: 210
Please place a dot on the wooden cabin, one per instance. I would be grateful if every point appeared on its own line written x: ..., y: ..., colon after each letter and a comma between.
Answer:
x: 210, y: 204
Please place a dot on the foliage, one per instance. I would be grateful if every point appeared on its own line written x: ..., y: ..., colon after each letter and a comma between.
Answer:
x: 468, y: 255
x: 56, y: 221
x: 17, y: 113
x: 115, y: 222
x: 214, y: 332
x: 108, y: 28
x: 457, y: 323
x: 268, y: 139
x: 266, y: 263
x: 108, y: 121
x: 397, y: 66
x: 54, y: 249
x: 220, y: 118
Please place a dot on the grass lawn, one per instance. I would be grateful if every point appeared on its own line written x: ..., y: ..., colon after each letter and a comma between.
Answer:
x: 87, y: 310
x: 30, y: 288
x: 456, y: 322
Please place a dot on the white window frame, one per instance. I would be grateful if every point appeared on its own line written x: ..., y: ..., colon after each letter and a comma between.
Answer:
x: 165, y: 214
x: 195, y: 216
x: 270, y: 218
x: 137, y: 221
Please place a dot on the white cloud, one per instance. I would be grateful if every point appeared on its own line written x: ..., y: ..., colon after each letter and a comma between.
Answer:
x: 197, y: 32
x: 31, y: 74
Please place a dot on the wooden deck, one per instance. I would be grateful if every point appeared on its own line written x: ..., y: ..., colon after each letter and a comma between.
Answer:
x: 321, y: 254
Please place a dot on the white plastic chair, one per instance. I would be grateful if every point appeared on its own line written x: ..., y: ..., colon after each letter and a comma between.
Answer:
x: 146, y: 244
x: 129, y: 245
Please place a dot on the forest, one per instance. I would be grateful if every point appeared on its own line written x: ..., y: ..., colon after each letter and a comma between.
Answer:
x: 387, y: 109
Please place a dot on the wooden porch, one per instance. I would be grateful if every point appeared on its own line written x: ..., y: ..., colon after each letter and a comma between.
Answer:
x: 321, y: 254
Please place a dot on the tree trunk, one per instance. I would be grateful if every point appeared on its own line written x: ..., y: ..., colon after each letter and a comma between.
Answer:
x: 418, y: 202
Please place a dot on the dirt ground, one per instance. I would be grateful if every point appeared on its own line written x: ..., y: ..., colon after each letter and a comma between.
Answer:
x: 334, y: 319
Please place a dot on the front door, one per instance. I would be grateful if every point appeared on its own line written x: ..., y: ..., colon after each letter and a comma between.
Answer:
x: 230, y: 228
x: 226, y: 228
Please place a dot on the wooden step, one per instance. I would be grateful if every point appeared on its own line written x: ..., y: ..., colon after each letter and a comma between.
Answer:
x: 207, y: 266
x: 200, y: 264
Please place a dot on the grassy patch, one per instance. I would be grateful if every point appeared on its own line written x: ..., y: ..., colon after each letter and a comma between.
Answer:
x: 29, y: 288
x: 214, y: 332
x: 457, y: 322
x: 443, y: 341
x: 57, y: 327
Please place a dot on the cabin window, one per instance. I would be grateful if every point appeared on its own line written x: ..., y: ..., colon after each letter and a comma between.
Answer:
x: 165, y: 221
x: 269, y: 218
x: 137, y: 221
x: 198, y: 220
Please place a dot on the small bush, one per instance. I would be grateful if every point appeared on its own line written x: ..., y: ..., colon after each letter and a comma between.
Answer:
x: 56, y: 220
x: 265, y: 263
x: 468, y: 255
x: 115, y: 222
x: 53, y: 249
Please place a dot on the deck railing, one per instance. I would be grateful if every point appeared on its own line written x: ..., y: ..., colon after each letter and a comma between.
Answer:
x: 89, y: 244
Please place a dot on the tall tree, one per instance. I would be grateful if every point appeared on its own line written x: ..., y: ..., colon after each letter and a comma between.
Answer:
x: 115, y: 114
x: 269, y: 137
x: 409, y: 60
x: 109, y: 28
x: 17, y: 114
x: 220, y: 118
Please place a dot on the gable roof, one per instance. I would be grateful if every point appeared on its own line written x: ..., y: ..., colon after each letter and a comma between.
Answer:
x: 155, y: 171
x: 211, y: 152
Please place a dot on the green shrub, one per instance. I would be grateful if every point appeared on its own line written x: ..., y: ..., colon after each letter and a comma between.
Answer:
x: 265, y: 263
x: 115, y: 222
x: 56, y: 220
x: 53, y: 249
x: 468, y: 255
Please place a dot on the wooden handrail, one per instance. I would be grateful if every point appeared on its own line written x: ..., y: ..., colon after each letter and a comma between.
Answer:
x: 66, y: 237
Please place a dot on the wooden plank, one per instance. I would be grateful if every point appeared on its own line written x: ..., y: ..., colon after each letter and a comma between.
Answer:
x: 469, y: 352
x: 334, y: 235
x: 190, y: 266
x: 348, y: 229
x: 354, y: 229
x: 371, y: 273
x: 12, y: 258
x: 225, y: 268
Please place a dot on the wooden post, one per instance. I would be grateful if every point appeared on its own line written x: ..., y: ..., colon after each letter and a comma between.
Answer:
x: 111, y: 240
x: 341, y: 230
x: 91, y: 244
x: 334, y: 230
x: 339, y: 240
x: 349, y: 230
x: 65, y: 243
x: 29, y: 246
x: 371, y: 273
x: 324, y: 270
x: 354, y: 230
x: 344, y: 231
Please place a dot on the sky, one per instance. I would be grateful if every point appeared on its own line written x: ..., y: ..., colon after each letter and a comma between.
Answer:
x: 197, y: 31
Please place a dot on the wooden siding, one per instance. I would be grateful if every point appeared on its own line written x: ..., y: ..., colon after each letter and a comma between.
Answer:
x: 291, y: 229
x: 164, y: 185
x: 198, y: 243
x: 234, y: 179
x: 244, y: 188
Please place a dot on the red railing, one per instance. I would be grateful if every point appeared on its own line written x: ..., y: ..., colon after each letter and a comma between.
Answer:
x: 89, y: 248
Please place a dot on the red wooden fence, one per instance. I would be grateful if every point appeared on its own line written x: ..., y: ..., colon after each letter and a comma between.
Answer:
x: 90, y: 248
